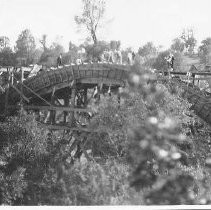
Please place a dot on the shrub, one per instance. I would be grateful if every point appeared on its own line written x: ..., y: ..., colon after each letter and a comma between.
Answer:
x: 161, y: 63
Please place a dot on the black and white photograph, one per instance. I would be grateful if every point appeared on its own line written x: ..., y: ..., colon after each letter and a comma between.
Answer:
x: 105, y: 103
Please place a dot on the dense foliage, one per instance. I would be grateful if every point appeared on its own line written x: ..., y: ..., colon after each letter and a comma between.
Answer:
x: 205, y: 51
x: 146, y: 151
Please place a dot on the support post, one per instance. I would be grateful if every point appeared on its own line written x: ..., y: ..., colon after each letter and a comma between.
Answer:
x: 66, y: 104
x: 7, y: 93
x: 52, y: 112
x: 12, y: 78
x: 21, y: 98
x: 193, y: 75
x: 72, y: 104
x: 85, y: 98
x: 118, y: 97
x: 99, y: 90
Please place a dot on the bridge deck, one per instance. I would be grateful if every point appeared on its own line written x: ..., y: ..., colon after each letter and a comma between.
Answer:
x: 90, y: 74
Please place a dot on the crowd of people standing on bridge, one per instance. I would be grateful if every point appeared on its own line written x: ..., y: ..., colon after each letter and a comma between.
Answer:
x: 108, y: 56
x: 115, y: 56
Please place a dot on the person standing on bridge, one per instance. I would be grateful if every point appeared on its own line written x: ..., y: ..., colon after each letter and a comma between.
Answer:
x: 170, y: 61
x: 133, y: 56
x: 59, y: 60
x: 111, y: 56
x: 129, y: 58
x: 118, y: 57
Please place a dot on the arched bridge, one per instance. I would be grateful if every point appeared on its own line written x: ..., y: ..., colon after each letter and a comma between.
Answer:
x: 68, y: 91
x: 65, y: 89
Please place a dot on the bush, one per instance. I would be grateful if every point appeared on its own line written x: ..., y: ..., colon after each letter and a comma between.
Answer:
x: 161, y: 63
x: 158, y: 147
x: 95, y: 51
x: 21, y: 146
x: 146, y: 151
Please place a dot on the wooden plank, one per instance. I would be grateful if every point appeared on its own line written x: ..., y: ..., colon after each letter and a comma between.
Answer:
x: 202, y: 78
x: 65, y: 127
x: 55, y: 108
x: 20, y: 93
x: 101, y: 80
x: 185, y: 73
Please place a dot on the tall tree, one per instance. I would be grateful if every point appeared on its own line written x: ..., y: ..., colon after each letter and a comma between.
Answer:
x: 189, y: 39
x: 92, y: 15
x: 25, y: 46
x: 115, y: 45
x: 205, y: 51
x: 95, y: 51
x: 178, y: 45
x: 4, y: 42
x: 43, y: 41
x: 73, y: 52
x: 49, y: 56
x: 7, y: 57
x: 147, y: 50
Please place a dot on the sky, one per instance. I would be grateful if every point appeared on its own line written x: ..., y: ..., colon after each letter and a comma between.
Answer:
x: 133, y: 22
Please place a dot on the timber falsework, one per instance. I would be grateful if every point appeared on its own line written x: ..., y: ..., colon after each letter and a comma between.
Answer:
x: 72, y: 84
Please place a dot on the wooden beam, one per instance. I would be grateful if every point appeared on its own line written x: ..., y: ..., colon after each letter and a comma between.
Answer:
x: 185, y: 73
x: 66, y: 103
x: 33, y: 92
x: 20, y: 93
x: 202, y: 78
x: 51, y: 108
x: 100, y: 80
x: 72, y: 104
x: 52, y: 112
x: 65, y: 127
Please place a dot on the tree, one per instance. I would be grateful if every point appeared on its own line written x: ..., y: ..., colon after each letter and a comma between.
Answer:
x: 115, y: 45
x: 25, y: 46
x: 43, y: 41
x: 178, y: 45
x: 205, y: 45
x: 37, y: 55
x: 189, y: 39
x: 205, y: 50
x: 57, y: 48
x: 4, y: 42
x: 147, y: 50
x: 50, y: 55
x: 73, y: 52
x: 160, y: 62
x: 95, y: 51
x: 7, y: 57
x: 92, y: 14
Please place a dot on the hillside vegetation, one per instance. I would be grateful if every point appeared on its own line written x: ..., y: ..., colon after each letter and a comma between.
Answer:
x: 151, y: 150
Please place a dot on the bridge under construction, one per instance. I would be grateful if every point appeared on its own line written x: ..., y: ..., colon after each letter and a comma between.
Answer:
x: 67, y: 92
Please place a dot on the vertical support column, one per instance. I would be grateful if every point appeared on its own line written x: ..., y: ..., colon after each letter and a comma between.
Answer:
x: 118, y: 97
x: 109, y: 90
x: 12, y: 78
x: 66, y: 104
x: 72, y: 103
x: 85, y: 98
x: 99, y: 90
x: 7, y: 93
x: 193, y: 75
x: 21, y: 99
x: 52, y: 112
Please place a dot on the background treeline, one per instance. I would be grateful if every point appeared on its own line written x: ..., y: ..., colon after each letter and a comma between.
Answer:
x: 26, y: 52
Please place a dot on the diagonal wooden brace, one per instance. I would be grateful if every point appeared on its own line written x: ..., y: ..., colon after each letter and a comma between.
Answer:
x: 20, y: 93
